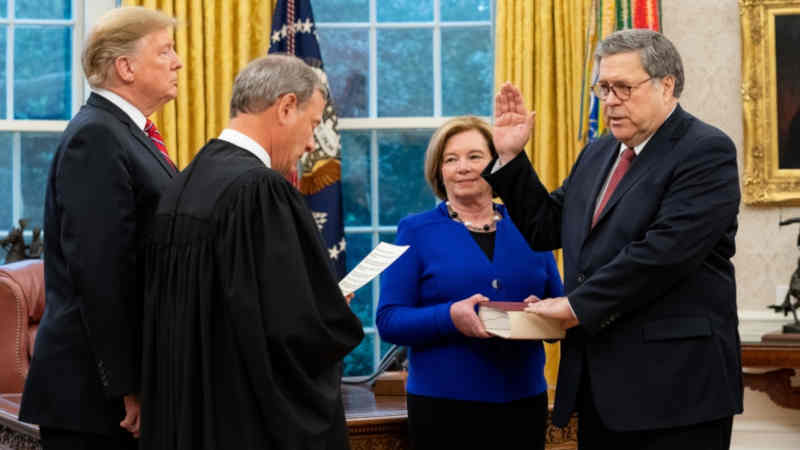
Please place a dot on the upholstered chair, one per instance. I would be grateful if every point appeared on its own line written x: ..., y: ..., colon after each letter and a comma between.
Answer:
x: 21, y: 308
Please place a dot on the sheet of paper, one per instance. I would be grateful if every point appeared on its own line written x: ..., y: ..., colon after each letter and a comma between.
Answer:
x: 378, y: 259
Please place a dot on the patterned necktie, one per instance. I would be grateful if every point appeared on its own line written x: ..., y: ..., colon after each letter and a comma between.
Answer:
x: 624, y: 163
x: 155, y: 136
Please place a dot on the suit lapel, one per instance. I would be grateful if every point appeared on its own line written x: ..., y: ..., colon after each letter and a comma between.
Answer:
x: 608, y: 155
x: 101, y: 102
x: 151, y: 147
x: 651, y: 154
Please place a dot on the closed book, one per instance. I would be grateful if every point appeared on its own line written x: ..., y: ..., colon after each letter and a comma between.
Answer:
x: 509, y: 320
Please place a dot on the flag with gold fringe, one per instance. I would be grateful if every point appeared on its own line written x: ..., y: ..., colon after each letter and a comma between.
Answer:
x: 610, y: 16
x: 320, y: 181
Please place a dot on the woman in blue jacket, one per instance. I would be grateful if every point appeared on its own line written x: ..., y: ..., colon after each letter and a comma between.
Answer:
x: 466, y: 389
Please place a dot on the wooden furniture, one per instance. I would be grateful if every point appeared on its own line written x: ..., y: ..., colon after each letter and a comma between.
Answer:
x: 13, y: 433
x: 21, y: 308
x: 375, y: 423
x: 775, y: 351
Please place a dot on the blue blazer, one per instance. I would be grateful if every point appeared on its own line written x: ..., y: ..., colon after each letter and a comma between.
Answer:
x: 652, y: 283
x: 443, y: 265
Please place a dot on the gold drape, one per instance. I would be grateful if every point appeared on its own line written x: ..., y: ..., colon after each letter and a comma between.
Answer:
x: 540, y: 47
x: 215, y: 39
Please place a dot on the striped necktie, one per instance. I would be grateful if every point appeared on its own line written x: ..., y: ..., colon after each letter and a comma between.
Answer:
x: 624, y: 163
x: 155, y: 136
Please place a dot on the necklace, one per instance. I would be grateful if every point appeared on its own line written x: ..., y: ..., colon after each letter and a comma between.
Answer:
x: 469, y: 225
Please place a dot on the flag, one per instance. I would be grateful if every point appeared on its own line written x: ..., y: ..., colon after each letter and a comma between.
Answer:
x: 611, y: 16
x: 320, y: 180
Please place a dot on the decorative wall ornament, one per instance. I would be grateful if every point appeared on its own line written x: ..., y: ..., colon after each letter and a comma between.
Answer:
x: 771, y: 101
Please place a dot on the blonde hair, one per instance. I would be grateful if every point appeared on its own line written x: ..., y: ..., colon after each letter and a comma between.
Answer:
x: 116, y: 34
x: 435, y: 151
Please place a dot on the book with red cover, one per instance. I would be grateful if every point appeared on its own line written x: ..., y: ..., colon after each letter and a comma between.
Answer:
x: 509, y: 320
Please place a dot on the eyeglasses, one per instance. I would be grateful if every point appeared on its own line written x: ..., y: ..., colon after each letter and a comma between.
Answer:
x: 621, y: 91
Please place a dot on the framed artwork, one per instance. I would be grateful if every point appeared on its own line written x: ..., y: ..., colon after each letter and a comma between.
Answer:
x: 771, y: 101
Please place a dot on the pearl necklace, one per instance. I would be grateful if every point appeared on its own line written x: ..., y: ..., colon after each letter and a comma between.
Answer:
x: 480, y: 229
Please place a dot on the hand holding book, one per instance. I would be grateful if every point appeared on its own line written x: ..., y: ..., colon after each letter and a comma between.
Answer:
x: 512, y: 320
x: 555, y: 308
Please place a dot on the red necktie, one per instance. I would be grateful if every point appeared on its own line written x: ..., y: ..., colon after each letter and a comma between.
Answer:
x: 155, y: 136
x: 619, y: 172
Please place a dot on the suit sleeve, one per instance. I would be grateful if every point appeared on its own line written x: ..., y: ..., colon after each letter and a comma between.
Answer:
x: 400, y: 318
x: 554, y: 286
x: 698, y: 207
x: 535, y: 212
x: 98, y: 226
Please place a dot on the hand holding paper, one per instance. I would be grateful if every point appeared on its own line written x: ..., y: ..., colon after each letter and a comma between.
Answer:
x: 381, y: 257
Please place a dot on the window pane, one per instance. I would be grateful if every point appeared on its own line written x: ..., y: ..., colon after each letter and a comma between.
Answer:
x: 387, y: 237
x: 402, y: 188
x: 341, y: 11
x: 42, y: 9
x: 6, y: 175
x: 457, y: 10
x: 405, y: 72
x: 3, y: 13
x: 385, y: 346
x: 345, y: 54
x: 467, y: 68
x: 405, y: 11
x: 358, y: 245
x: 37, y: 152
x: 3, y: 71
x: 356, y: 177
x: 360, y: 361
x: 42, y: 72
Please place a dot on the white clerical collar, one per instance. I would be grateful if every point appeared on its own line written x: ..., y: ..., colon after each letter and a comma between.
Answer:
x: 244, y: 141
x: 133, y: 112
x: 638, y: 149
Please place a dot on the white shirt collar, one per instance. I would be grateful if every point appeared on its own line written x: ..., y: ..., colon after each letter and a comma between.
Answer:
x: 244, y: 141
x: 133, y: 112
x: 638, y: 148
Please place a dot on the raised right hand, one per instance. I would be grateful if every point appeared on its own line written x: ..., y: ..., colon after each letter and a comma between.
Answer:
x: 463, y: 315
x: 513, y: 123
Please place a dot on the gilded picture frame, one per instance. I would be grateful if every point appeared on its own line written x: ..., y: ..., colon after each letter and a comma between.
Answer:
x: 771, y: 101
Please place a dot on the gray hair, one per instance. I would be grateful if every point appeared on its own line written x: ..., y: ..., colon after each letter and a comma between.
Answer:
x: 266, y: 79
x: 659, y: 56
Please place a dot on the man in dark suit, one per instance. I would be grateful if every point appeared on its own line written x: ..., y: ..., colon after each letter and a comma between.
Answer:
x: 104, y: 185
x: 647, y: 220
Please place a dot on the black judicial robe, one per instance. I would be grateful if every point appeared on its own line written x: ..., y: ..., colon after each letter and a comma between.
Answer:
x: 245, y: 326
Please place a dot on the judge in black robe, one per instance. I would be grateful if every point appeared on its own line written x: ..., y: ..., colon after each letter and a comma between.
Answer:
x: 245, y: 326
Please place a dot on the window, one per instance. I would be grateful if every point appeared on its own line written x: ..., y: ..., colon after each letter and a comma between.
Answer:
x: 397, y: 70
x: 41, y: 87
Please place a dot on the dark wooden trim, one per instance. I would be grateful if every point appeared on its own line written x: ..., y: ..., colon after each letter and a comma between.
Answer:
x: 771, y: 355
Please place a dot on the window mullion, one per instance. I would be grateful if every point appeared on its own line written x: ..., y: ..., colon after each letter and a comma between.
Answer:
x: 10, y: 68
x: 16, y: 178
x: 373, y: 59
x: 437, y: 61
x: 375, y: 210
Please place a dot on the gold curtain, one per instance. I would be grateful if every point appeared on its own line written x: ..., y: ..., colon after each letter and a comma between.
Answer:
x: 215, y: 39
x: 541, y: 48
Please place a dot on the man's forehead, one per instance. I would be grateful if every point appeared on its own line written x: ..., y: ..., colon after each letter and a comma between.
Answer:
x: 621, y: 66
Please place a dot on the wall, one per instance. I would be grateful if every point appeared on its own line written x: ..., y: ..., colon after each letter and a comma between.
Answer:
x: 707, y: 34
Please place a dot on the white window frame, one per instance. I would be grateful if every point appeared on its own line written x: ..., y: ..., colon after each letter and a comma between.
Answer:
x: 84, y: 14
x: 374, y: 124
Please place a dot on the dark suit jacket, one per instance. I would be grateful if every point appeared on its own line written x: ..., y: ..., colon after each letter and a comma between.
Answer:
x: 652, y: 283
x: 104, y: 185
